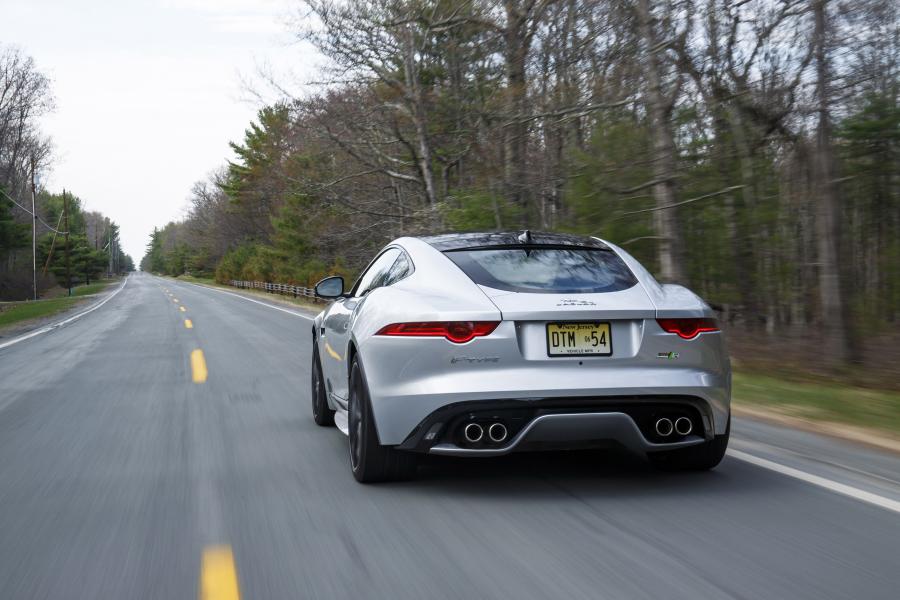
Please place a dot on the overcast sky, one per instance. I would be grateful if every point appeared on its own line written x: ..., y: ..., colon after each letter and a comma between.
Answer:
x: 148, y: 93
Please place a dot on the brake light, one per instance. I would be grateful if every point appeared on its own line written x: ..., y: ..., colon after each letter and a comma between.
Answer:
x: 688, y: 328
x: 458, y: 332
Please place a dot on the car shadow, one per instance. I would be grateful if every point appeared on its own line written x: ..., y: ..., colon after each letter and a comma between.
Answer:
x: 580, y: 473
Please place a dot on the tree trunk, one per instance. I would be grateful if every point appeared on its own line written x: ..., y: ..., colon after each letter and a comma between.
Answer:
x: 419, y: 119
x: 828, y: 222
x: 516, y: 131
x: 742, y: 245
x: 665, y: 218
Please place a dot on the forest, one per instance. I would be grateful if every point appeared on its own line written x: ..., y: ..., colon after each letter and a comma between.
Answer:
x: 749, y: 149
x: 26, y: 154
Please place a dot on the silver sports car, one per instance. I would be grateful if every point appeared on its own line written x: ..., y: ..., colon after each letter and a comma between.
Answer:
x: 481, y: 344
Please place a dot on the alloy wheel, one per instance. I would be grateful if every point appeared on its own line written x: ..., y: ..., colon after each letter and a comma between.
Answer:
x: 355, y: 425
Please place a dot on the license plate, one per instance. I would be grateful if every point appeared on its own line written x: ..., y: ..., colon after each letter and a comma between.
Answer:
x: 578, y: 339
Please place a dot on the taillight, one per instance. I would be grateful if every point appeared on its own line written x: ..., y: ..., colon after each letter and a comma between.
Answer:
x: 688, y: 328
x: 456, y: 331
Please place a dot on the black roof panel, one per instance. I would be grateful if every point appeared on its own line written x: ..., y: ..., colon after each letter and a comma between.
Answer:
x: 461, y: 241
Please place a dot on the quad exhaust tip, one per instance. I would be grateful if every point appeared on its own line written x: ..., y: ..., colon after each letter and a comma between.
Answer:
x: 473, y: 433
x: 497, y: 432
x: 664, y: 427
x: 683, y: 426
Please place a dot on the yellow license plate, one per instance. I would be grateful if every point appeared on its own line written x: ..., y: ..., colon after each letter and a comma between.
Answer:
x: 579, y: 339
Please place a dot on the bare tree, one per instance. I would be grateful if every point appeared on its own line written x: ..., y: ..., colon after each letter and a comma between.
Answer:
x: 660, y: 96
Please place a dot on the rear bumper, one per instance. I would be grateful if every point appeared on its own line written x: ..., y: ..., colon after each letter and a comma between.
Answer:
x: 400, y: 407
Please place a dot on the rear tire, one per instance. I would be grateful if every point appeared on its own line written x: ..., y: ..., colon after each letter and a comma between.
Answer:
x: 701, y: 457
x: 322, y: 415
x: 369, y: 460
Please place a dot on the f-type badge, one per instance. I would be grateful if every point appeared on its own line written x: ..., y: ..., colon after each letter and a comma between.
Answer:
x: 474, y: 359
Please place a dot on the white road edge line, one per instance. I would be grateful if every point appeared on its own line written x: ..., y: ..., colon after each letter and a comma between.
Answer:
x: 828, y: 484
x: 53, y: 326
x: 266, y: 304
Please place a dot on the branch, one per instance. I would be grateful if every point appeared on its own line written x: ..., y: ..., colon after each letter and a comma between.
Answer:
x: 646, y: 184
x: 656, y: 208
x: 643, y: 237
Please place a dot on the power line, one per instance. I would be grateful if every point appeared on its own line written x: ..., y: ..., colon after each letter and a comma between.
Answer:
x: 53, y: 229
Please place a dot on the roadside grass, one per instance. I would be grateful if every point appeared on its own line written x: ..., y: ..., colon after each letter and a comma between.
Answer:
x: 301, y: 302
x: 203, y: 280
x: 16, y: 312
x: 12, y: 313
x: 93, y: 288
x: 820, y: 401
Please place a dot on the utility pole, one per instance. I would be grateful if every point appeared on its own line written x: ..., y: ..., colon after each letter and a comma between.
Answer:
x: 109, y: 244
x: 68, y: 264
x: 33, y: 235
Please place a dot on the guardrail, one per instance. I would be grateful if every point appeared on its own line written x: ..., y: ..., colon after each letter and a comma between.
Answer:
x: 284, y: 289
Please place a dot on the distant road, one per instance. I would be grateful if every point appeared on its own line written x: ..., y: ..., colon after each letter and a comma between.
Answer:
x: 142, y: 458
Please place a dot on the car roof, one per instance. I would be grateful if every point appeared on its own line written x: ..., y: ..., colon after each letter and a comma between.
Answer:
x: 490, y: 239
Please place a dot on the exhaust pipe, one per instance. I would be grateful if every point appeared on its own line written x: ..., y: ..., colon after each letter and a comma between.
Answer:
x: 683, y: 426
x: 473, y: 433
x: 664, y: 427
x: 497, y: 432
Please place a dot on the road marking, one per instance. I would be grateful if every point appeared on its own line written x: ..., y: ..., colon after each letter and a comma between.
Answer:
x: 188, y: 324
x: 38, y: 332
x: 182, y: 309
x: 218, y: 577
x: 266, y: 304
x: 175, y: 300
x: 198, y: 366
x: 828, y: 484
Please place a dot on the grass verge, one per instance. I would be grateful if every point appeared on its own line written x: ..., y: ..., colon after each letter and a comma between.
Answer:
x: 23, y: 311
x: 92, y: 288
x: 832, y: 402
x: 12, y: 313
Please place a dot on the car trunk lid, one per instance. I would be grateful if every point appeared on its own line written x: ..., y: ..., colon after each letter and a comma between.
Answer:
x: 624, y: 311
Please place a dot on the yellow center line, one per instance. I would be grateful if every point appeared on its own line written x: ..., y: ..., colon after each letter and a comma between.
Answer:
x: 182, y: 309
x: 218, y: 577
x: 198, y: 366
x: 188, y: 324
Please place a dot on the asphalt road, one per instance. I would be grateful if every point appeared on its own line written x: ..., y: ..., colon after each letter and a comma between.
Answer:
x: 120, y: 477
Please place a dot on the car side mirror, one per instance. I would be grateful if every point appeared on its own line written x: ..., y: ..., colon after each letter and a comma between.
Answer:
x: 330, y: 288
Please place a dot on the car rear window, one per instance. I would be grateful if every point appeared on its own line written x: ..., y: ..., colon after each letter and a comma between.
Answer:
x: 545, y: 270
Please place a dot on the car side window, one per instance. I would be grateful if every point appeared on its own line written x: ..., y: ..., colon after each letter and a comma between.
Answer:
x: 400, y: 269
x: 377, y: 272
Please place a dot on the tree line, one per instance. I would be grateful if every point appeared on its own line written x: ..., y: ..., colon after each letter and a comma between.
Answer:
x: 25, y: 96
x: 749, y: 149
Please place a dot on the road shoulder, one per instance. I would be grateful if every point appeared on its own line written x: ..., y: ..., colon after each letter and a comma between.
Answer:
x: 848, y: 433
